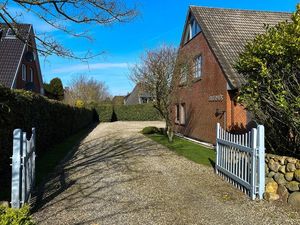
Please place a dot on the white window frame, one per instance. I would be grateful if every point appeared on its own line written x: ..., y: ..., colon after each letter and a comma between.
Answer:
x: 182, y: 113
x: 24, y: 72
x: 198, y: 67
x: 31, y: 74
x: 177, y: 113
x: 10, y: 33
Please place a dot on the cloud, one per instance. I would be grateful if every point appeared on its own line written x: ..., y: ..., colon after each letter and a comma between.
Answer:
x: 89, y: 67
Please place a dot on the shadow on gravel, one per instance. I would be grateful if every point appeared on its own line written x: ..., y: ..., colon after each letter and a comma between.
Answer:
x: 95, y: 166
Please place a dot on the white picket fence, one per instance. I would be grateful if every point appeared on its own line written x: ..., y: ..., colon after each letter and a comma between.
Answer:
x: 241, y: 160
x: 23, y: 168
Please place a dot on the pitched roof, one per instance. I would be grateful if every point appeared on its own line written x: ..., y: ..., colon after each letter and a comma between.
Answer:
x: 228, y: 30
x: 11, y: 51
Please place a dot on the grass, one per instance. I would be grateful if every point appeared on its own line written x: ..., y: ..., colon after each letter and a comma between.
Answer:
x: 188, y: 149
x: 46, y: 163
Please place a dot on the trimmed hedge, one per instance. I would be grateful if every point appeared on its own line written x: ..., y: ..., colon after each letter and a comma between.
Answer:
x: 53, y: 120
x: 105, y: 112
x: 142, y: 112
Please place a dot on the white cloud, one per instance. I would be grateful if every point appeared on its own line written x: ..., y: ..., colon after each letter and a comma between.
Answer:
x: 89, y: 67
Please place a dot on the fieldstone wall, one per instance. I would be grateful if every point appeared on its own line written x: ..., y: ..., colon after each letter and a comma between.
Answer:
x: 282, y: 179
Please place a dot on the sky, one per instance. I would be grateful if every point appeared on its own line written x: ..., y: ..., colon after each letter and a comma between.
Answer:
x: 159, y: 22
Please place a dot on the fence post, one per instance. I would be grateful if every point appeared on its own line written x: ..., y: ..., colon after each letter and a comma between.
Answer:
x: 217, y: 148
x: 261, y: 160
x: 253, y: 163
x: 24, y: 169
x: 33, y: 156
x: 16, y: 168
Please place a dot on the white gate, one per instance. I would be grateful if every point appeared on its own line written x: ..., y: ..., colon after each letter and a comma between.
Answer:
x: 23, y: 168
x: 241, y: 160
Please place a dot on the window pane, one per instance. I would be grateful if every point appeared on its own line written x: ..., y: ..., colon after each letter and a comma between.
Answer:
x: 31, y: 74
x: 23, y: 72
x: 198, y: 67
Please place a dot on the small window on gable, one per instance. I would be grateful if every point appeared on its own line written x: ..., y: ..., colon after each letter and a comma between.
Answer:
x: 24, y: 72
x: 11, y: 33
x: 192, y: 30
x: 198, y: 67
x: 31, y: 74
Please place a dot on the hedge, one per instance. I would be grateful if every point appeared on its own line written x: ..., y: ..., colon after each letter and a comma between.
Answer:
x: 54, y: 121
x: 111, y: 113
x: 105, y: 112
x: 142, y: 112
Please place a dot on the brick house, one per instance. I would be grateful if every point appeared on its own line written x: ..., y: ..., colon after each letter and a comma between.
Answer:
x: 19, y: 62
x: 214, y: 37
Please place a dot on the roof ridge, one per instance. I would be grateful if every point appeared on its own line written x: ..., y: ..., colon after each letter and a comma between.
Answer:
x: 235, y: 9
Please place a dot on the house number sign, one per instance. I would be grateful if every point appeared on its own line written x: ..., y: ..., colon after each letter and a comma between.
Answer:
x: 216, y: 98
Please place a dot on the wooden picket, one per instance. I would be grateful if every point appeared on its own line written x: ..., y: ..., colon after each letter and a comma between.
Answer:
x: 240, y: 160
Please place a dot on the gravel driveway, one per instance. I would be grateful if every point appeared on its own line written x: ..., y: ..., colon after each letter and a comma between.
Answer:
x: 118, y: 176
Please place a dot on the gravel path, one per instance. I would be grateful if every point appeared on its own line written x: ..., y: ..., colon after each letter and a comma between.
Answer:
x: 118, y: 176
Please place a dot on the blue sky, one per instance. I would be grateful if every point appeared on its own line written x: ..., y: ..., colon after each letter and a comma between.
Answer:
x: 159, y: 22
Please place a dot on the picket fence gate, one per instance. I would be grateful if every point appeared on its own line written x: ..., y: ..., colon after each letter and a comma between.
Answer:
x: 240, y: 160
x: 23, y: 167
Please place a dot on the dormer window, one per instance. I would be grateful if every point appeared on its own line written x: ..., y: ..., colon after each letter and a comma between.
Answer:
x: 11, y: 33
x: 192, y: 29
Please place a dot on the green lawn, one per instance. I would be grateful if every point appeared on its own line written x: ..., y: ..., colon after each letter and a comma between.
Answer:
x: 188, y: 149
x: 46, y: 163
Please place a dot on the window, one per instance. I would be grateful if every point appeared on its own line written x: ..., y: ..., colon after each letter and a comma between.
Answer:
x: 192, y: 30
x: 182, y: 113
x: 194, y: 27
x: 31, y: 74
x: 198, y: 67
x: 177, y: 113
x: 183, y: 75
x: 11, y: 33
x: 23, y: 72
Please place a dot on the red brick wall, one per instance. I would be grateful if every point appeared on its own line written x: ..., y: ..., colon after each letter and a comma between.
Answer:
x: 201, y: 115
x: 20, y: 84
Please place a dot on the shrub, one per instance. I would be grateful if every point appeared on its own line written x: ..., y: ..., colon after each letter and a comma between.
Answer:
x: 143, y: 112
x: 79, y: 103
x: 105, y: 112
x: 150, y: 130
x: 53, y: 120
x: 270, y: 64
x: 9, y: 216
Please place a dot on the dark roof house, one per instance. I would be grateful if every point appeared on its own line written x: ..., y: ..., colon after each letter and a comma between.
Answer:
x: 214, y: 38
x: 19, y: 63
x: 138, y: 96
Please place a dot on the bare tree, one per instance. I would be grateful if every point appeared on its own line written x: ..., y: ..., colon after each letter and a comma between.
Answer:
x: 59, y: 14
x: 160, y: 73
x: 88, y: 91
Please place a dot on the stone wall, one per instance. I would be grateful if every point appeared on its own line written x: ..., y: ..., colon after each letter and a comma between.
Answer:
x: 283, y: 179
